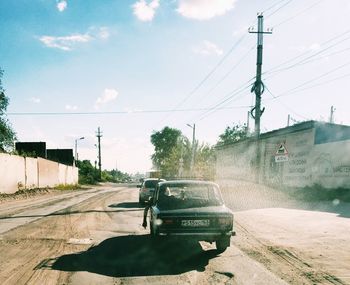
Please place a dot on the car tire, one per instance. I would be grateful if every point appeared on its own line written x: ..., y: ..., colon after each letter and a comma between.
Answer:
x: 222, y: 244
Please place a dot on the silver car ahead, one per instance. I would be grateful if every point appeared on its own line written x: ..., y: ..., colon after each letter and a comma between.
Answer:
x: 147, y: 189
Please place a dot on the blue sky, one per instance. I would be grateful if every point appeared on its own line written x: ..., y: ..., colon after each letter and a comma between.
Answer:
x: 142, y: 58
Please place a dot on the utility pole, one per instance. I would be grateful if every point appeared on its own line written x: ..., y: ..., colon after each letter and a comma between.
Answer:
x: 99, y: 135
x: 248, y: 119
x: 331, y: 117
x: 76, y: 150
x: 193, y: 127
x: 288, y: 120
x: 258, y: 86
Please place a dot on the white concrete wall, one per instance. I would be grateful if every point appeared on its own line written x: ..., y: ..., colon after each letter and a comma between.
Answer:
x: 49, y: 173
x: 12, y: 173
x: 32, y: 174
x: 326, y: 164
x: 17, y: 172
x: 72, y: 175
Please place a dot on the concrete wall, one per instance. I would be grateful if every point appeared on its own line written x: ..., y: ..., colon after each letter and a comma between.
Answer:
x: 307, y: 163
x: 31, y: 172
x: 49, y: 173
x: 17, y: 172
x: 12, y: 173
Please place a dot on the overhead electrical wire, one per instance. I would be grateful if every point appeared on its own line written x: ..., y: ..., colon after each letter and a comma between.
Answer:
x: 277, y: 67
x: 285, y: 106
x: 228, y: 98
x: 297, y: 14
x: 233, y: 47
x: 228, y: 73
x: 273, y: 6
x: 295, y: 89
x: 112, y: 112
x: 278, y: 9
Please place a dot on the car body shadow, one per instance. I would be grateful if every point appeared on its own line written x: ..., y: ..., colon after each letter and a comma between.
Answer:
x: 137, y: 255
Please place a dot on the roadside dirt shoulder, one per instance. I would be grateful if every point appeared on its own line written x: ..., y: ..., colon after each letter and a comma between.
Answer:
x: 303, y: 242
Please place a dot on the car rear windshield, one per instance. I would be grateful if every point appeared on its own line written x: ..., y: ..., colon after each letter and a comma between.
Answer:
x: 188, y: 196
x: 151, y: 183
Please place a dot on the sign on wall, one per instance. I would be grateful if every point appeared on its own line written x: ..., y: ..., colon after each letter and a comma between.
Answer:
x: 281, y: 154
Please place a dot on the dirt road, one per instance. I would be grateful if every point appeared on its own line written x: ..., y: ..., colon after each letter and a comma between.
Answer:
x: 95, y: 237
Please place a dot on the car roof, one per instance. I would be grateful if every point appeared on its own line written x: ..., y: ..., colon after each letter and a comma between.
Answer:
x: 193, y: 182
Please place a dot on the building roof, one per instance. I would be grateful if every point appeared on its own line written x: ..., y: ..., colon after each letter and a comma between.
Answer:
x: 324, y: 132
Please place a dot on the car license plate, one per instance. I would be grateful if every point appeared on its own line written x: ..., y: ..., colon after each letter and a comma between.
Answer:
x: 195, y: 223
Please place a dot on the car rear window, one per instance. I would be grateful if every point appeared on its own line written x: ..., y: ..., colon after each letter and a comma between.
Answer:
x: 151, y: 183
x: 188, y: 196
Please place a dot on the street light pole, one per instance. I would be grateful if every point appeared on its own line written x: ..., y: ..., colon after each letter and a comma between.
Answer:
x: 193, y: 127
x: 76, y: 149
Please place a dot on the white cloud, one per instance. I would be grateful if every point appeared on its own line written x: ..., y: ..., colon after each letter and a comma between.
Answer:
x: 61, y: 5
x: 204, y: 9
x: 145, y: 11
x: 71, y: 107
x: 208, y: 48
x: 35, y: 100
x: 65, y: 43
x: 108, y: 96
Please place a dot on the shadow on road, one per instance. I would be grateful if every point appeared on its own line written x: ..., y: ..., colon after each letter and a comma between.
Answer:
x: 126, y: 205
x: 136, y: 255
x: 64, y: 213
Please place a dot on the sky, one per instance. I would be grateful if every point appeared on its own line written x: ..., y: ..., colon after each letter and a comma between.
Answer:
x: 134, y: 67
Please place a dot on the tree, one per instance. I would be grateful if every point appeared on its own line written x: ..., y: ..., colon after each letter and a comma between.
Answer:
x: 7, y: 134
x: 88, y: 174
x: 205, y: 162
x: 171, y: 147
x: 233, y: 134
x: 164, y: 142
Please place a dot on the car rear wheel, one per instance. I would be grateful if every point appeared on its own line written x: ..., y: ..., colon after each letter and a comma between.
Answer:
x: 222, y: 244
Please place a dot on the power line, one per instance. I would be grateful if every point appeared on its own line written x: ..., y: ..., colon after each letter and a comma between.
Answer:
x: 274, y: 12
x: 285, y: 106
x: 272, y: 70
x: 321, y: 83
x: 229, y: 72
x: 211, y: 72
x: 226, y: 100
x: 303, y: 61
x: 295, y: 89
x: 111, y: 113
x: 297, y: 14
x: 273, y: 6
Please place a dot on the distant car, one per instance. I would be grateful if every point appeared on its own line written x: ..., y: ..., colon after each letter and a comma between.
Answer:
x: 147, y: 189
x: 194, y: 209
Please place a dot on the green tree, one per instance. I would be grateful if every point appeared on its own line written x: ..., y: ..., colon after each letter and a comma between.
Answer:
x: 7, y: 134
x: 88, y: 174
x: 164, y: 142
x: 173, y: 153
x: 204, y: 166
x: 233, y: 134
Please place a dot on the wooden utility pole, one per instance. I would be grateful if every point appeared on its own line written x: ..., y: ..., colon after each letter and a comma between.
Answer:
x: 99, y: 135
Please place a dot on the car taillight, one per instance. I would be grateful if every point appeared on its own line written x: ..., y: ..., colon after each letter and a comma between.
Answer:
x: 225, y: 221
x: 168, y: 221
